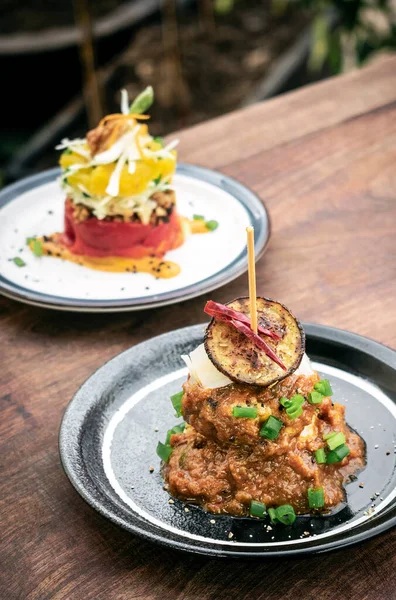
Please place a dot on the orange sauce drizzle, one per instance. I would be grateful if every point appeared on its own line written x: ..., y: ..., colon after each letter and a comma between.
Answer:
x: 197, y: 226
x: 159, y: 268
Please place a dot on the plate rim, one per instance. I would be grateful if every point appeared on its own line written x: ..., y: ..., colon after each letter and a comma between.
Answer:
x: 313, y: 330
x: 242, y: 193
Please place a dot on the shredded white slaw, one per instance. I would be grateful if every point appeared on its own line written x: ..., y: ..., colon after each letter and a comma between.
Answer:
x: 125, y: 151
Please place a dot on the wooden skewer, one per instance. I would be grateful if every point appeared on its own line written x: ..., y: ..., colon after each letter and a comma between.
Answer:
x: 252, y: 278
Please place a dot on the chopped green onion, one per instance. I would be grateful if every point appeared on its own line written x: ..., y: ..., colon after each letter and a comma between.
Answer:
x: 293, y: 406
x: 315, y: 398
x: 143, y: 101
x: 19, y: 262
x: 336, y: 440
x: 272, y: 515
x: 316, y: 497
x: 285, y: 402
x: 297, y: 399
x: 285, y: 514
x: 295, y: 409
x: 157, y: 180
x: 323, y: 387
x: 327, y: 436
x: 248, y: 412
x: 338, y: 454
x: 37, y: 248
x: 159, y: 140
x: 211, y: 225
x: 198, y: 218
x: 257, y: 509
x: 294, y: 412
x: 176, y: 400
x: 176, y: 429
x: 164, y: 451
x: 320, y: 456
x: 271, y: 428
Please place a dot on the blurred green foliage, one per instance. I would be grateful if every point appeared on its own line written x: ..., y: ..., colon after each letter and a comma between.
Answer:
x: 362, y: 27
x: 340, y: 28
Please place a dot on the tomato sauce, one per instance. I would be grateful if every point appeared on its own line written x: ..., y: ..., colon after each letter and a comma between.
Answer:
x: 222, y: 462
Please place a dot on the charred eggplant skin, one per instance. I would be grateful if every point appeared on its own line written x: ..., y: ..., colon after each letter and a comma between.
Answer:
x: 239, y: 359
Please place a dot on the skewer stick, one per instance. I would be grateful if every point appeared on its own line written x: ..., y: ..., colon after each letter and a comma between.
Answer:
x: 252, y: 278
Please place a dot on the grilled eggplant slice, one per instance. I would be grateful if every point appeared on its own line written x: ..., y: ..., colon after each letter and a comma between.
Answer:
x: 241, y: 360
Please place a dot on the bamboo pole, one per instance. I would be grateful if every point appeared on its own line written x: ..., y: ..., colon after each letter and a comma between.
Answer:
x: 252, y: 278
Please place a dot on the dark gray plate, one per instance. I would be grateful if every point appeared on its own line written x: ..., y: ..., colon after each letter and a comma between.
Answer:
x: 109, y: 435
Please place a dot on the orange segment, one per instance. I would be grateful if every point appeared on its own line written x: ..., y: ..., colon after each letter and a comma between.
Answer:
x: 67, y: 159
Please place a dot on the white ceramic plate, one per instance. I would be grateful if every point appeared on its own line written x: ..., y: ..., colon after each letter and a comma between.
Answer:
x: 34, y: 207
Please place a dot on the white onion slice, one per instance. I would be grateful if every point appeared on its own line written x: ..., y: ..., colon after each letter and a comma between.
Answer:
x: 305, y: 367
x: 112, y: 154
x: 124, y: 102
x: 203, y: 370
x: 66, y: 143
x: 114, y: 181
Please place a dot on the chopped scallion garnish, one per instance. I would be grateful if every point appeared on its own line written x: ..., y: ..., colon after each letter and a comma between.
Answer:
x: 285, y: 514
x: 293, y: 406
x: 323, y: 387
x: 315, y: 398
x: 176, y: 400
x: 295, y: 412
x: 316, y: 497
x: 338, y: 454
x: 37, y: 248
x: 271, y: 428
x: 272, y: 515
x: 257, y: 509
x: 18, y: 261
x: 164, y: 451
x: 320, y: 456
x: 336, y: 440
x: 211, y: 225
x: 247, y: 412
x: 285, y: 402
x: 159, y: 140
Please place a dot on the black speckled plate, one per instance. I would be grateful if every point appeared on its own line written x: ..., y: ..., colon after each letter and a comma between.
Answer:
x: 110, y: 431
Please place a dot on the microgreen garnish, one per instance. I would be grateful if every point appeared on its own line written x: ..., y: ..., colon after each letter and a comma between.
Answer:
x: 211, y: 225
x: 37, y: 248
x: 143, y: 101
x: 18, y: 261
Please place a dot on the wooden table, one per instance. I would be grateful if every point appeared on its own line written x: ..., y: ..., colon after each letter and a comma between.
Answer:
x: 323, y: 159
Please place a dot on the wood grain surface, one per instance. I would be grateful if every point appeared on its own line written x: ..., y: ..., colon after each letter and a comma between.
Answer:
x: 323, y: 160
